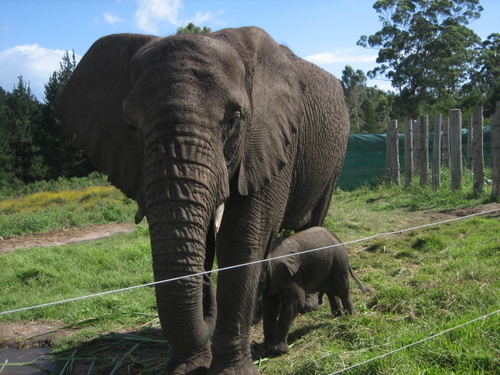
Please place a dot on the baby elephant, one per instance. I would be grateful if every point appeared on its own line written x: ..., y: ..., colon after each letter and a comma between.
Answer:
x: 285, y: 282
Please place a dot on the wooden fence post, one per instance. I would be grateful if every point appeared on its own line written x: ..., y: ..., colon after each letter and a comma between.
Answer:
x: 416, y: 144
x: 456, y: 148
x: 424, y: 150
x: 408, y: 152
x: 446, y: 142
x: 392, y: 153
x: 495, y: 154
x: 470, y: 142
x: 436, y: 153
x: 477, y: 150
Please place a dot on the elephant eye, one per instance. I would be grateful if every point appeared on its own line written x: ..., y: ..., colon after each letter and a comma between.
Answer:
x: 235, y: 119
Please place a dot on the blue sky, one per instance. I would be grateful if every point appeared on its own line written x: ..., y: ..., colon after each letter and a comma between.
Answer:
x: 35, y: 33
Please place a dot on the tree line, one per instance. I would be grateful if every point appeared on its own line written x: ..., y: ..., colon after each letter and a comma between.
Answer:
x: 433, y: 60
x: 425, y: 49
x: 33, y: 145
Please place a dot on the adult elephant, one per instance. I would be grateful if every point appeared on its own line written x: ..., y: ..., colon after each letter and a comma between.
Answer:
x: 185, y: 123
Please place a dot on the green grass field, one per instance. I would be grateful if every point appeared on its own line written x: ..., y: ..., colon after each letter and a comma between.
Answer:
x: 422, y: 283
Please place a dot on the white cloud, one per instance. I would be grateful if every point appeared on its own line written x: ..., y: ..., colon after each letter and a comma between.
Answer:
x: 199, y: 18
x: 340, y: 56
x: 36, y: 64
x: 110, y: 18
x: 383, y: 85
x: 153, y: 15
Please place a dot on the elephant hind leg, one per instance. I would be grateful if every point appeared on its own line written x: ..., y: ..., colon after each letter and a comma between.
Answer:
x: 343, y: 304
x: 336, y: 306
x: 348, y: 305
x: 320, y: 211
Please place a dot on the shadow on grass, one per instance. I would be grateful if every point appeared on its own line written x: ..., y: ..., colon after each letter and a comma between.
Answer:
x: 137, y: 352
x: 259, y: 352
x: 144, y: 352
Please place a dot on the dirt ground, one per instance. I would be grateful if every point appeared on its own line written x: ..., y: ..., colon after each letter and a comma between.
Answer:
x: 63, y: 237
x: 42, y: 334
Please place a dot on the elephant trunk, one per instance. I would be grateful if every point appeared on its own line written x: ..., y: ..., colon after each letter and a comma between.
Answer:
x: 183, y: 187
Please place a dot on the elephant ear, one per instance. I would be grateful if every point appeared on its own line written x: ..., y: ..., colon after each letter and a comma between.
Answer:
x: 276, y: 104
x: 90, y: 109
x: 281, y: 271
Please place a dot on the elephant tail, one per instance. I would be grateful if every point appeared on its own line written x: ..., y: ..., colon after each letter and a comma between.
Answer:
x: 360, y: 284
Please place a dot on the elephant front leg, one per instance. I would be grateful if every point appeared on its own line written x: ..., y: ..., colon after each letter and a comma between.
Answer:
x: 231, y: 341
x: 292, y: 300
x: 270, y: 311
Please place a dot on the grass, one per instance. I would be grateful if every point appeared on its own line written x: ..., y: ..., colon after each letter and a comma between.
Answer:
x: 422, y: 283
x: 59, y: 208
x: 32, y: 277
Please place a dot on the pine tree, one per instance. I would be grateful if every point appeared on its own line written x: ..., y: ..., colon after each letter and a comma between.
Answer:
x: 20, y: 117
x: 61, y: 157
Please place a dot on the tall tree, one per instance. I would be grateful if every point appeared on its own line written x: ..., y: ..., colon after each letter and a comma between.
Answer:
x: 19, y: 121
x: 425, y: 47
x: 484, y: 85
x: 354, y: 83
x: 369, y: 107
x: 5, y: 152
x: 61, y: 157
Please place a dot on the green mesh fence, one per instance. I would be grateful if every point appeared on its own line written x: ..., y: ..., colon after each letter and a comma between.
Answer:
x: 365, y: 157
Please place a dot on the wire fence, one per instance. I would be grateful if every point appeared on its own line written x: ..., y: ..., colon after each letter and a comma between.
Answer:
x: 414, y: 343
x: 244, y: 264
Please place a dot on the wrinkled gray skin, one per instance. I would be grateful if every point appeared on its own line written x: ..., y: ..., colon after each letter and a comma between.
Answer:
x: 286, y: 282
x: 185, y: 123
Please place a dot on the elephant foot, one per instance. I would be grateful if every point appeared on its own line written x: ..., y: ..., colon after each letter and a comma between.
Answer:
x: 280, y: 348
x: 196, y: 364
x: 245, y: 367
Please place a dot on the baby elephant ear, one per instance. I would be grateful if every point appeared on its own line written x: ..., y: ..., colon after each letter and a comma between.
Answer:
x: 282, y: 270
x: 277, y: 110
x: 90, y: 109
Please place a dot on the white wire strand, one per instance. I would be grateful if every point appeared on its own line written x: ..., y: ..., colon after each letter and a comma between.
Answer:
x: 240, y: 265
x: 413, y: 344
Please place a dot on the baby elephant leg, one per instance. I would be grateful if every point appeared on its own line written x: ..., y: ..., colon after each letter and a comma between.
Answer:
x: 312, y: 303
x: 336, y: 306
x: 292, y: 301
x: 343, y: 293
x: 341, y: 303
x: 270, y: 311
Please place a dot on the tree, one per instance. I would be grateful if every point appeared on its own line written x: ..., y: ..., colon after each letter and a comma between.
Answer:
x: 60, y: 156
x: 191, y: 28
x: 354, y: 83
x: 484, y: 85
x: 5, y: 153
x: 369, y: 107
x: 425, y: 47
x: 20, y: 116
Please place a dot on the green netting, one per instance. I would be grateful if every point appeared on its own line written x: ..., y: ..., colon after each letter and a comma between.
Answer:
x: 365, y: 157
